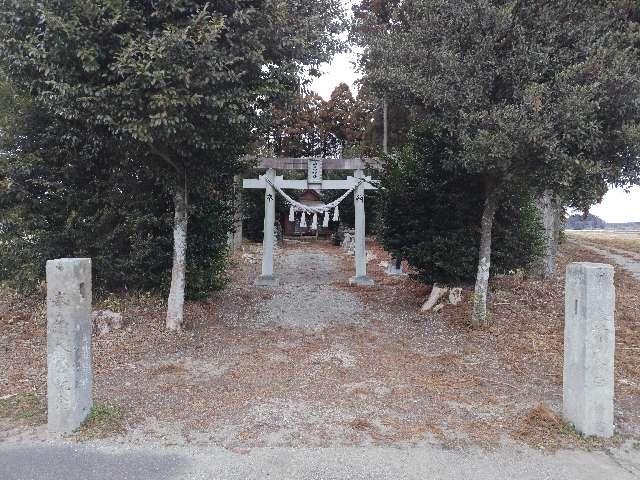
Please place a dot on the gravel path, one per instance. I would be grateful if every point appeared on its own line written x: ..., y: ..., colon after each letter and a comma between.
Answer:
x: 306, y: 299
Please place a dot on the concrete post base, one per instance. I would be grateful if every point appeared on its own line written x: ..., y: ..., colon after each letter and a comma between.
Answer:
x: 364, y: 281
x: 266, y: 281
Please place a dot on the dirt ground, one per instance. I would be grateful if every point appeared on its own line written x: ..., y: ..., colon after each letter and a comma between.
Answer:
x: 316, y: 362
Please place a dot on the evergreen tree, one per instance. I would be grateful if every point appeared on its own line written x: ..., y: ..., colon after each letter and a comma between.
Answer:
x: 179, y: 84
x: 539, y: 95
x: 67, y: 192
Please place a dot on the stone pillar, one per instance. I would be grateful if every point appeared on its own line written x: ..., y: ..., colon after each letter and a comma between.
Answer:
x: 359, y: 240
x: 267, y: 278
x: 589, y: 344
x: 69, y: 372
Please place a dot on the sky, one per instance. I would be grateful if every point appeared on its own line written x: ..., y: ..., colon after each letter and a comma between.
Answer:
x: 340, y: 70
x: 617, y: 206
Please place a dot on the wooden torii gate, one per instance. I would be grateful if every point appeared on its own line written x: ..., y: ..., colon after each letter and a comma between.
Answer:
x: 314, y: 167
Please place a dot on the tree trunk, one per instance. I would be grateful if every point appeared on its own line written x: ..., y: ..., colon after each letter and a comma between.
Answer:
x: 385, y: 126
x: 479, y: 317
x: 175, y: 304
x: 234, y: 238
x: 550, y: 211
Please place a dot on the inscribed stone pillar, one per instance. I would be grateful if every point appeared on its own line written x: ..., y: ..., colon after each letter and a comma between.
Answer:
x: 360, y: 249
x: 589, y: 345
x: 267, y: 278
x: 69, y: 371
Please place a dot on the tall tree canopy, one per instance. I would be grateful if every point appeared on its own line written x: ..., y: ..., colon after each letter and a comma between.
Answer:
x: 539, y: 95
x: 343, y: 120
x: 179, y: 83
x: 295, y: 129
x: 307, y: 125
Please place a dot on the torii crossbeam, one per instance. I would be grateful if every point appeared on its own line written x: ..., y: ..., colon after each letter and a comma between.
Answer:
x: 314, y: 167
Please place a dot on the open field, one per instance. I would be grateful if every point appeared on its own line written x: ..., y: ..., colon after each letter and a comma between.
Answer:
x: 627, y: 241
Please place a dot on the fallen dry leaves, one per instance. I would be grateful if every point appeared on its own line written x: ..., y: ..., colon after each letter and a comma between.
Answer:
x: 398, y: 377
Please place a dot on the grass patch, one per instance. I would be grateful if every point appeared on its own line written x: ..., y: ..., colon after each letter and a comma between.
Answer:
x: 103, y: 420
x: 584, y: 441
x: 23, y: 406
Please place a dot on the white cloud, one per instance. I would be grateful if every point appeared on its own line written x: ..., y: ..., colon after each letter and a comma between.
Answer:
x: 618, y: 206
x: 340, y: 70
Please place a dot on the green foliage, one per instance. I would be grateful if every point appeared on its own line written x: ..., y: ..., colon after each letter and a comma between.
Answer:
x: 184, y: 78
x: 102, y: 413
x: 103, y: 420
x: 429, y: 214
x: 129, y: 103
x: 541, y: 94
x: 66, y: 194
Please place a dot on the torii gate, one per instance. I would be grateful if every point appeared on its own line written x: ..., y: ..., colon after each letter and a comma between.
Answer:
x: 314, y: 167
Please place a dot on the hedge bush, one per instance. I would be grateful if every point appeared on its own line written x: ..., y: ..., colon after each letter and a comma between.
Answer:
x: 430, y: 215
x: 66, y: 193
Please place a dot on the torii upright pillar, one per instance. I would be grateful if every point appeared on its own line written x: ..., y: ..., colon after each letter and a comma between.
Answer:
x: 267, y: 279
x: 360, y: 247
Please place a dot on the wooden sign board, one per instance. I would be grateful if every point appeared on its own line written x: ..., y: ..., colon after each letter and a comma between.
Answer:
x: 314, y: 172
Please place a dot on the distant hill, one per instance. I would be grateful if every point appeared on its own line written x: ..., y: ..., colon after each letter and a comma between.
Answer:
x: 590, y: 222
x: 593, y: 222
